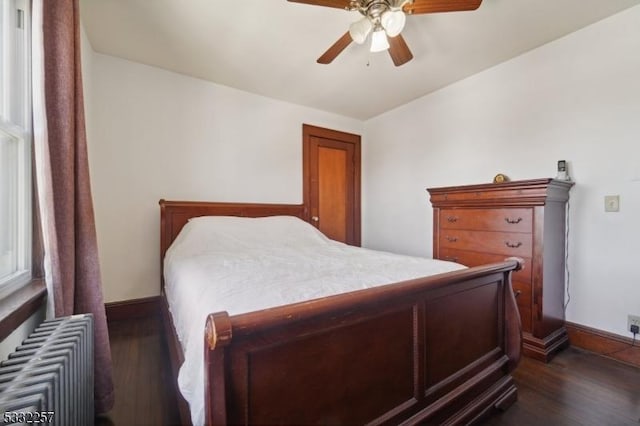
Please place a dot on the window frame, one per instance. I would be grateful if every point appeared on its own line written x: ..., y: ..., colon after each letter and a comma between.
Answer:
x: 24, y: 295
x: 16, y: 121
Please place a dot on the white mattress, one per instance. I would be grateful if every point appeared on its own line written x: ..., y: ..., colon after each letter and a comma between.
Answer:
x: 241, y: 265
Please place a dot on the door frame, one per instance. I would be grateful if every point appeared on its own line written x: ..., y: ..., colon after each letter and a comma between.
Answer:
x: 309, y: 131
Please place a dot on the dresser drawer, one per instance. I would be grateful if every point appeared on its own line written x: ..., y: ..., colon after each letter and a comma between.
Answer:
x: 523, y: 290
x: 472, y: 258
x: 505, y: 243
x: 505, y: 219
x: 525, y: 318
x: 494, y: 194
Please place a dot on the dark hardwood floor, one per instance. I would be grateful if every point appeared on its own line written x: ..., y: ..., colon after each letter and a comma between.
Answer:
x: 142, y: 377
x: 576, y: 388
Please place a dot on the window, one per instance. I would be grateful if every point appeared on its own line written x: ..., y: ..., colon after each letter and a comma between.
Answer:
x: 15, y: 144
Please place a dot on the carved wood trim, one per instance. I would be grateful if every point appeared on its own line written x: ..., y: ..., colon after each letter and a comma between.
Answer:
x: 535, y: 192
x: 18, y: 306
x: 130, y: 309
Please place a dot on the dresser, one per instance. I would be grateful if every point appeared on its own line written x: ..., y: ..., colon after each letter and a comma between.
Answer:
x: 479, y: 224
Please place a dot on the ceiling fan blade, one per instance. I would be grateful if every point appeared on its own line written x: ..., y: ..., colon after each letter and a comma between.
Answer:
x: 435, y: 6
x: 337, y: 47
x: 340, y: 4
x: 399, y: 51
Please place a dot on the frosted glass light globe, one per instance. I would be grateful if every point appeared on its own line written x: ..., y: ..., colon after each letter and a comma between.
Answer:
x: 359, y: 30
x: 379, y: 41
x: 393, y: 22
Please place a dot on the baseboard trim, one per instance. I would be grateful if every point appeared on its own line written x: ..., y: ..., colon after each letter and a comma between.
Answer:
x: 130, y: 309
x: 604, y: 343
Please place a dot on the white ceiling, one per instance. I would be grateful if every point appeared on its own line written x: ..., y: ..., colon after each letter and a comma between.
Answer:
x: 270, y: 47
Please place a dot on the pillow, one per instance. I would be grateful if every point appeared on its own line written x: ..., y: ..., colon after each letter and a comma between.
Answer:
x: 232, y: 233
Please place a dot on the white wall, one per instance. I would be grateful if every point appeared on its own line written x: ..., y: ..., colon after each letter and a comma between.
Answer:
x: 156, y: 134
x: 578, y: 99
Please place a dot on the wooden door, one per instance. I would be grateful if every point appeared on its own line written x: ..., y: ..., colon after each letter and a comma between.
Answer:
x: 331, y: 172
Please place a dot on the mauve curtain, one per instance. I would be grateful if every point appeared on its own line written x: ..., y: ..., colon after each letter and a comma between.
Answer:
x: 70, y: 230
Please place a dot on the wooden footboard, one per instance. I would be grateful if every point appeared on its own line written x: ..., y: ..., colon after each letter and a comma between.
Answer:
x: 436, y: 350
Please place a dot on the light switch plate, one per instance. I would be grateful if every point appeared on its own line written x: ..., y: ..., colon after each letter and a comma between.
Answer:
x: 611, y: 203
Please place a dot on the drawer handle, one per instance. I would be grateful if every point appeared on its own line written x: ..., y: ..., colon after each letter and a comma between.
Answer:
x: 513, y: 245
x: 450, y: 258
x: 451, y: 239
x: 517, y: 293
x: 452, y: 219
x: 513, y: 221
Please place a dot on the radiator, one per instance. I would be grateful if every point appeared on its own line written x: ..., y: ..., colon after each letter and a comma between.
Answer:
x: 49, y: 378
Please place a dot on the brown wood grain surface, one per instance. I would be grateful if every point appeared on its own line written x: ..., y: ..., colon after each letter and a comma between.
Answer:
x: 507, y: 220
x: 397, y: 348
x: 476, y: 223
x: 333, y: 193
x: 332, y: 200
x: 501, y: 243
x: 576, y: 388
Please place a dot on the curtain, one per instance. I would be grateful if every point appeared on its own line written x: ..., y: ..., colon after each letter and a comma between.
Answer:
x: 62, y: 172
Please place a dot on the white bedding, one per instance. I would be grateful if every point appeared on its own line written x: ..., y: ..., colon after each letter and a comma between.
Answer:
x: 240, y: 265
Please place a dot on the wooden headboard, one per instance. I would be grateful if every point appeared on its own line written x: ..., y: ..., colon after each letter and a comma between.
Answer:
x: 175, y: 214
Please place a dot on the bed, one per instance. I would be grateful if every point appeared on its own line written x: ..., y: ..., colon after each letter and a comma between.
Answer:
x: 428, y: 350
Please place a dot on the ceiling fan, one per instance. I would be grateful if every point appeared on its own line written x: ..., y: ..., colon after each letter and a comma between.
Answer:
x: 384, y: 20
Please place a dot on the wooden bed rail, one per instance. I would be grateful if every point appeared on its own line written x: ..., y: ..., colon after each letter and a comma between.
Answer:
x: 430, y: 350
x: 220, y: 326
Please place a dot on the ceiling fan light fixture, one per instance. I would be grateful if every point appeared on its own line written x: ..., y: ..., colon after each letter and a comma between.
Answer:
x: 359, y: 30
x: 393, y: 22
x: 379, y: 41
